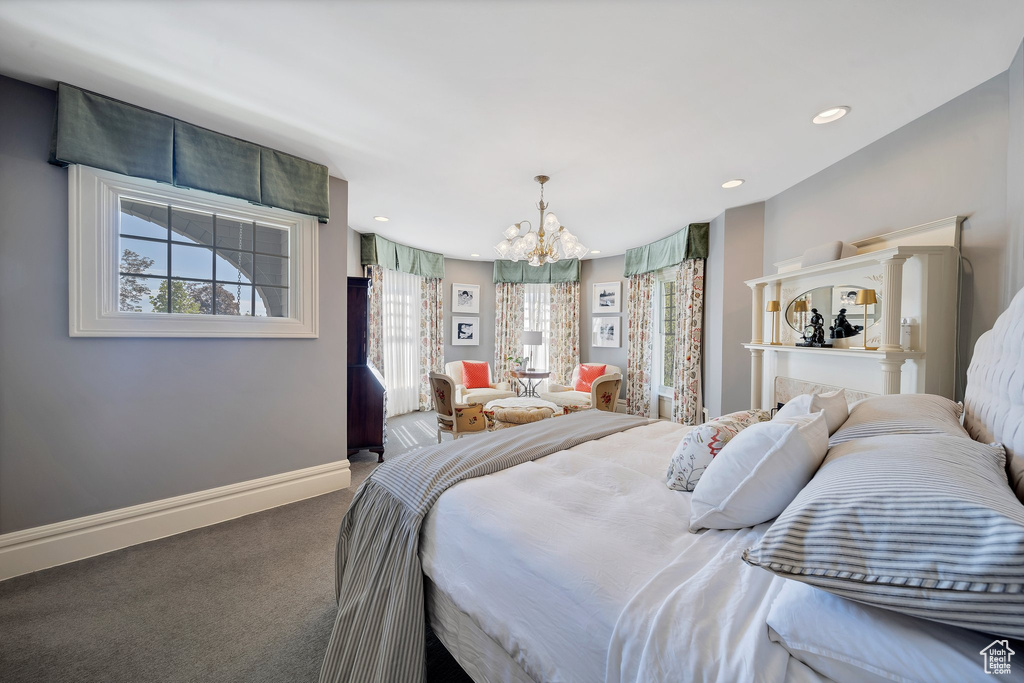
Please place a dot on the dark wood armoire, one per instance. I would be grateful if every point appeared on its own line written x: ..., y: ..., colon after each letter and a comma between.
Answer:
x: 367, y: 424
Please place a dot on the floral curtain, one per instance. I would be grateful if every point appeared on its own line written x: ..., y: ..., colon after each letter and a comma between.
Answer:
x: 564, y: 346
x: 431, y: 336
x: 508, y: 326
x: 375, y: 343
x: 687, y: 402
x: 640, y: 344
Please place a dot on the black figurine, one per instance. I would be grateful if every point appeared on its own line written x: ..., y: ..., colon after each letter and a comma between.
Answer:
x: 817, y: 325
x: 843, y: 328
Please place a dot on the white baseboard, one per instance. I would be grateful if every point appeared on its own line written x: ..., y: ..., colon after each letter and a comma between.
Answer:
x: 30, y: 550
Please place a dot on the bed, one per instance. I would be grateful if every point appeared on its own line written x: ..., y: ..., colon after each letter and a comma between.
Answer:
x: 576, y: 563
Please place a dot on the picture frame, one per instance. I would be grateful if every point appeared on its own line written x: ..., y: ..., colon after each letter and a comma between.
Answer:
x: 605, y: 331
x: 607, y: 297
x: 465, y: 298
x: 465, y: 331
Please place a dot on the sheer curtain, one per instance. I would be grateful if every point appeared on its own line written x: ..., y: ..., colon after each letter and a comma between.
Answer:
x: 537, y: 317
x: 401, y: 296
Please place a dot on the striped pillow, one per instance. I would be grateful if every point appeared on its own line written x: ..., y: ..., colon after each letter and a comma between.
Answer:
x: 925, y: 525
x: 901, y: 414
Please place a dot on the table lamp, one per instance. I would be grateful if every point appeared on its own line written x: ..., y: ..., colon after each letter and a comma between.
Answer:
x: 864, y: 298
x: 532, y: 338
x: 800, y: 307
x: 773, y: 308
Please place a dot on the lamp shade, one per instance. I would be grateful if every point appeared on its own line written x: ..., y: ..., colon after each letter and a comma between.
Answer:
x: 773, y: 306
x: 865, y: 297
x: 533, y: 338
x: 800, y: 306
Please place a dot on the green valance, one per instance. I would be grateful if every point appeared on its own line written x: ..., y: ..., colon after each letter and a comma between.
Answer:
x: 101, y: 132
x: 375, y: 250
x: 521, y: 271
x: 690, y: 242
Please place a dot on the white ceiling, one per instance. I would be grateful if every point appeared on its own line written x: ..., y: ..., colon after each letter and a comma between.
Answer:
x: 440, y: 113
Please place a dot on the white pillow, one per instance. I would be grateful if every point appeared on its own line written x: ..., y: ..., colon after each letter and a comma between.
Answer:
x: 759, y: 473
x: 847, y: 641
x: 834, y: 405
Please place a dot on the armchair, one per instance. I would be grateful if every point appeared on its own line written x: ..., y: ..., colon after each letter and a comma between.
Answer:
x: 493, y: 391
x: 602, y: 395
x: 454, y: 418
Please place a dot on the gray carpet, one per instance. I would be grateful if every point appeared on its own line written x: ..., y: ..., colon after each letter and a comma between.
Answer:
x: 251, y: 599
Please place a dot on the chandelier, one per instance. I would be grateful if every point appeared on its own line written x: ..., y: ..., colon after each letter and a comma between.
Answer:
x: 552, y: 241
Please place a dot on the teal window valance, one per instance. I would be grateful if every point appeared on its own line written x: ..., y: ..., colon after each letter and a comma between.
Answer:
x: 375, y: 250
x: 104, y: 133
x: 690, y: 242
x: 521, y: 271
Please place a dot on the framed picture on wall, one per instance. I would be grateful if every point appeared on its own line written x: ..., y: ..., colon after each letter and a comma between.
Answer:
x: 605, y: 331
x: 465, y: 331
x: 607, y: 297
x: 465, y: 298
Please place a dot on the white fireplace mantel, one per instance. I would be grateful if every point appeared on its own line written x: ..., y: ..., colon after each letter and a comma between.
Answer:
x: 921, y: 279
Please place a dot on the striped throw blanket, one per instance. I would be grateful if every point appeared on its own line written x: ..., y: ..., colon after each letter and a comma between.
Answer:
x: 379, y: 633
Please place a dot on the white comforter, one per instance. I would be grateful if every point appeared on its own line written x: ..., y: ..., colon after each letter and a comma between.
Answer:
x: 581, y: 567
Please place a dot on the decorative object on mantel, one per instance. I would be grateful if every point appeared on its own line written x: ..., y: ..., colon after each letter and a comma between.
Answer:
x: 823, y: 253
x: 842, y: 328
x: 865, y: 298
x: 538, y: 248
x: 773, y: 308
x: 817, y: 326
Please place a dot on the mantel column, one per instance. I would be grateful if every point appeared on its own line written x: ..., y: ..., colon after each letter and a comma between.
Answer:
x: 892, y: 303
x: 756, y: 337
x: 756, y: 373
x: 891, y: 373
x: 757, y: 316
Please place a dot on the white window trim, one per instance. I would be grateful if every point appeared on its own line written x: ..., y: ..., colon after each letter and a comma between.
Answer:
x: 93, y: 210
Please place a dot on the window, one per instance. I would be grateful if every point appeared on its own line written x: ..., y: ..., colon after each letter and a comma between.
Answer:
x: 666, y: 315
x: 148, y: 259
x: 537, y: 317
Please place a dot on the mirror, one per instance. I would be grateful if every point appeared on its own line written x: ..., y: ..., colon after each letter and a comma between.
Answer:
x: 829, y: 301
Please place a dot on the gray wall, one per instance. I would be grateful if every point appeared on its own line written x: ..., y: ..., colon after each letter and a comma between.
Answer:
x: 1015, y: 177
x: 470, y: 273
x: 952, y: 160
x: 741, y: 249
x: 714, y: 302
x: 89, y: 425
x: 354, y: 265
x: 608, y: 269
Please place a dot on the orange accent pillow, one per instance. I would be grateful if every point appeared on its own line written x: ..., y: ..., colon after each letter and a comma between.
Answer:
x: 475, y: 375
x: 586, y: 375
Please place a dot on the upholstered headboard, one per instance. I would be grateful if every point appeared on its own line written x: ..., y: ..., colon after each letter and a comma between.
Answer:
x: 994, y: 401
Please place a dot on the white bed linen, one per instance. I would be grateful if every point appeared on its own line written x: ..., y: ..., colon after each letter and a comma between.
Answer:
x: 568, y: 563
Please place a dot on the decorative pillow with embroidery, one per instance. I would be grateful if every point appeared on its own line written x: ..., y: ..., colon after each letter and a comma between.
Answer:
x: 586, y: 375
x: 702, y: 443
x: 475, y: 375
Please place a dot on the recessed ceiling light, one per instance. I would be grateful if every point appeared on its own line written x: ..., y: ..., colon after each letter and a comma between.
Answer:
x: 382, y: 219
x: 736, y: 182
x: 475, y: 255
x: 831, y: 114
x: 595, y: 251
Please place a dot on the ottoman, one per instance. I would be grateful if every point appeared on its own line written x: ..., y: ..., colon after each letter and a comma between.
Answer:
x: 509, y: 412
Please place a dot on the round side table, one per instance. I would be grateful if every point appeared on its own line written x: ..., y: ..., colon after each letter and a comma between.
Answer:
x: 528, y: 381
